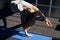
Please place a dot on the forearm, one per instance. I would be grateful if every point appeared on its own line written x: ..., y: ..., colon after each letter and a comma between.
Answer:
x: 42, y: 16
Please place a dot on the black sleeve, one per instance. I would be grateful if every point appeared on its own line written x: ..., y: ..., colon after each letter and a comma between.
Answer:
x: 42, y: 16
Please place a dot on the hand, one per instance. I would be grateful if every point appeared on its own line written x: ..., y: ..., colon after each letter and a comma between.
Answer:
x: 48, y: 22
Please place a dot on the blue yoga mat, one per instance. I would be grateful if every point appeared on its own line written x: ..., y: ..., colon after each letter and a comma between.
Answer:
x: 21, y: 36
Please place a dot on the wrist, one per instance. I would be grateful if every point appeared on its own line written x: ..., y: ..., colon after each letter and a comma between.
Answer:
x: 46, y: 19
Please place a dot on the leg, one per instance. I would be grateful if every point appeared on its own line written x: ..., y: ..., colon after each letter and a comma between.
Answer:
x: 22, y: 17
x: 26, y: 29
x: 28, y: 21
x: 23, y: 21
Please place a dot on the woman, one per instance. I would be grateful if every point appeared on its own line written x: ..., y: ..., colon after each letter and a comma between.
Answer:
x: 28, y: 18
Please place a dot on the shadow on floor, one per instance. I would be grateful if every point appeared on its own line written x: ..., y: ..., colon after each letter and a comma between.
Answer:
x: 8, y: 32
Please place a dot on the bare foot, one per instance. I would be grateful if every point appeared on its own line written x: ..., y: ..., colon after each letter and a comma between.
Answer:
x: 29, y: 35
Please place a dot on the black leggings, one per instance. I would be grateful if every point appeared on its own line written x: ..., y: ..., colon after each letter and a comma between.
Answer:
x: 27, y: 18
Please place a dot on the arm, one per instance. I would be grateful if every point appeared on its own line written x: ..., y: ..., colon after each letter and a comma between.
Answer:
x: 33, y: 9
x: 48, y: 22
